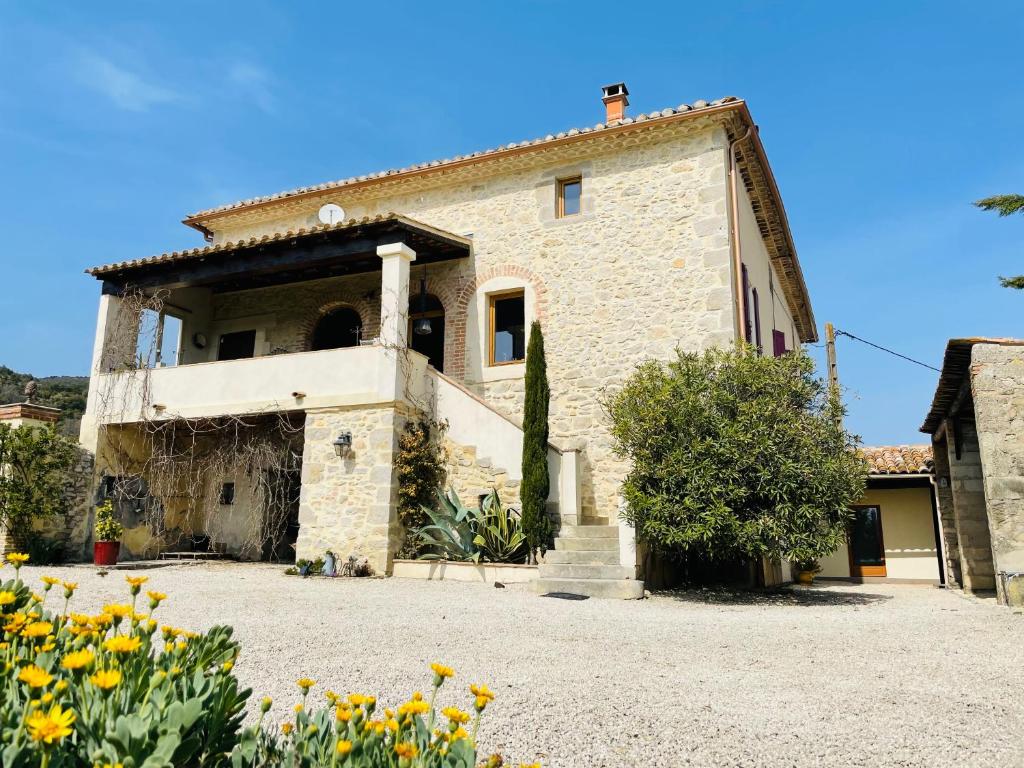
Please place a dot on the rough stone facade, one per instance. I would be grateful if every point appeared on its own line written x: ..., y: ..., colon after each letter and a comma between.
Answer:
x: 347, y: 505
x: 997, y: 375
x: 472, y: 476
x: 645, y: 268
x: 947, y: 515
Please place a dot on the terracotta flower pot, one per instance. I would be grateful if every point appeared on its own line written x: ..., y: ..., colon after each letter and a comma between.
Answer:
x: 805, y: 577
x: 105, y: 552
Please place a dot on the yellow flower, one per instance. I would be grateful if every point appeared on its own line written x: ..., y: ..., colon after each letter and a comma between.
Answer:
x: 358, y: 699
x: 155, y: 598
x: 456, y: 715
x: 344, y: 747
x: 227, y: 666
x: 37, y: 598
x: 7, y: 597
x: 105, y: 678
x: 286, y: 728
x: 61, y: 686
x: 417, y: 696
x: 481, y: 690
x: 392, y: 725
x: 102, y: 620
x: 34, y: 676
x: 343, y: 715
x: 78, y: 659
x: 298, y: 708
x: 529, y: 765
x: 266, y: 704
x: 79, y: 618
x: 47, y: 698
x: 49, y: 581
x: 50, y: 726
x: 37, y: 629
x: 413, y: 708
x: 136, y: 581
x: 118, y: 611
x: 459, y: 733
x: 441, y: 672
x: 305, y: 684
x: 406, y: 750
x: 122, y: 644
x: 17, y: 559
x: 69, y: 588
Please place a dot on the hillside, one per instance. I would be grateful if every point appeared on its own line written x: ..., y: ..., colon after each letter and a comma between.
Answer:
x: 65, y: 392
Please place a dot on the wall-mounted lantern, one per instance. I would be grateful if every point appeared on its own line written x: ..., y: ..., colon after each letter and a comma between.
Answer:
x: 343, y: 445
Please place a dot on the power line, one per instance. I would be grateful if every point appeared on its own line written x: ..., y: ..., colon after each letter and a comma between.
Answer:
x: 886, y: 349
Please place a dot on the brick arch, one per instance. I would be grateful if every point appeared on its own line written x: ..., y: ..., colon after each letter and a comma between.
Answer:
x: 461, y: 308
x: 362, y: 308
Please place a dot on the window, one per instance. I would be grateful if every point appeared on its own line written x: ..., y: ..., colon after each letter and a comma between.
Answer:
x: 779, y: 343
x: 227, y: 493
x: 237, y: 345
x: 507, y: 327
x: 570, y: 194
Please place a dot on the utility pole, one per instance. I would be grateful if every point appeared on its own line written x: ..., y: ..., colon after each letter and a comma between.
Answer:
x: 830, y: 352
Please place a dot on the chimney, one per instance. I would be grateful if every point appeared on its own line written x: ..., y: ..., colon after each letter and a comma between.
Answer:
x: 616, y: 99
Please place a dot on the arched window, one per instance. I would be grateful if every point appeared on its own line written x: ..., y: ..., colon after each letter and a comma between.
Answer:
x: 338, y: 328
x: 426, y: 328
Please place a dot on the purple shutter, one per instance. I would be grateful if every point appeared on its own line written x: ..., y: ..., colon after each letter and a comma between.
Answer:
x: 779, y: 343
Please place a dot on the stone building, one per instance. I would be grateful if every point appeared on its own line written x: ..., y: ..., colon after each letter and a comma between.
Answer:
x: 894, y: 535
x: 976, y: 423
x: 625, y: 240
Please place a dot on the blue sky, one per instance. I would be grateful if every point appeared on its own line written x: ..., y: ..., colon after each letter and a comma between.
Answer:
x: 883, y: 121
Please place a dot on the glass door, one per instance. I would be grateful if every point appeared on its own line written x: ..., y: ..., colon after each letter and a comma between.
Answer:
x: 867, y: 551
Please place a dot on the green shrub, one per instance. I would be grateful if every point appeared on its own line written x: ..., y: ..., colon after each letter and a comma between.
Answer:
x: 36, y: 462
x: 499, y: 532
x: 735, y: 455
x: 536, y: 483
x: 420, y: 466
x: 489, y: 532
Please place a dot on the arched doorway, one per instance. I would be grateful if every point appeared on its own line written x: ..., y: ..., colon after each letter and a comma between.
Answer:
x: 338, y: 328
x: 426, y: 328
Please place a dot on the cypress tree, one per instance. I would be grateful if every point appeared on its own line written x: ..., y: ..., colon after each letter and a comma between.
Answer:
x: 536, y: 482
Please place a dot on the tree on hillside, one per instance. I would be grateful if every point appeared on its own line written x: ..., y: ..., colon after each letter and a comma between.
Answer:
x: 1005, y: 205
x: 735, y: 457
x: 536, y: 482
x: 65, y: 392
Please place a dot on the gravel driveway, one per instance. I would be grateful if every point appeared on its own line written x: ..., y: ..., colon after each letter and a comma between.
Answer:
x: 865, y: 675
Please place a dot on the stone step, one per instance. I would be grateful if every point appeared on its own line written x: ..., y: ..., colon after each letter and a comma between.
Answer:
x: 582, y: 556
x: 589, y: 531
x: 594, y: 521
x: 578, y: 542
x: 584, y: 571
x: 622, y: 589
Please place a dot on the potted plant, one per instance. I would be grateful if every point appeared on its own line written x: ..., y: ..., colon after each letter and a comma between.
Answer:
x: 107, y: 544
x: 806, y: 569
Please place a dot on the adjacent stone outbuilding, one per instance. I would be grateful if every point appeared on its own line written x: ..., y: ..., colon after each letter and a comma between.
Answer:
x: 977, y: 427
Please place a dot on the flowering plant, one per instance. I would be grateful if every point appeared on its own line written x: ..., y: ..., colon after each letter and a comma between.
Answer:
x: 107, y: 528
x: 117, y: 690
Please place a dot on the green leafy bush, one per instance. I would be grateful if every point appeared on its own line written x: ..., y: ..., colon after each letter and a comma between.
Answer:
x: 499, y: 532
x: 420, y: 466
x: 107, y: 528
x: 735, y: 455
x: 36, y: 462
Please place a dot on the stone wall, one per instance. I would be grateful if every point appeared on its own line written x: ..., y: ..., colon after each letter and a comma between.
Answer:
x: 997, y: 383
x: 347, y: 505
x: 472, y: 476
x: 967, y: 486
x: 644, y: 269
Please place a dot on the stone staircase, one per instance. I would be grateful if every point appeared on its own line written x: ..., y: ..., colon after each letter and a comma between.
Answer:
x: 585, y: 561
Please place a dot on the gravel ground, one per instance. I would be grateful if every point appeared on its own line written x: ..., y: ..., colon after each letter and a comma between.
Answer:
x: 851, y: 675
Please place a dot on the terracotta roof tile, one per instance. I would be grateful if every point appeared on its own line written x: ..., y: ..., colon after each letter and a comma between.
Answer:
x: 642, y: 117
x: 227, y: 246
x: 899, y: 459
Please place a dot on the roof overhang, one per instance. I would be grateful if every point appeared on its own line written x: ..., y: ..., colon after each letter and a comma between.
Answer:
x: 953, y: 391
x: 349, y: 247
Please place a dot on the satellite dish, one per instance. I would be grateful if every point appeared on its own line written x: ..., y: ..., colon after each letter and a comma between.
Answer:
x: 331, y: 214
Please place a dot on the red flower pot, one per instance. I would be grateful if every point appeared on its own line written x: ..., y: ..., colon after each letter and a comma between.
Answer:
x: 105, y: 552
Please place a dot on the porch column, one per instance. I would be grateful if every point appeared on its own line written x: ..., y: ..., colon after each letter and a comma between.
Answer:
x: 109, y: 349
x: 394, y: 293
x: 966, y: 480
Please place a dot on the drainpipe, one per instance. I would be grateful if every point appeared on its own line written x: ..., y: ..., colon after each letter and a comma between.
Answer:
x: 734, y: 239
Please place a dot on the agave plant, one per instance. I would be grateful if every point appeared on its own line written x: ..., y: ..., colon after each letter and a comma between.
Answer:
x: 452, y: 532
x: 499, y: 532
